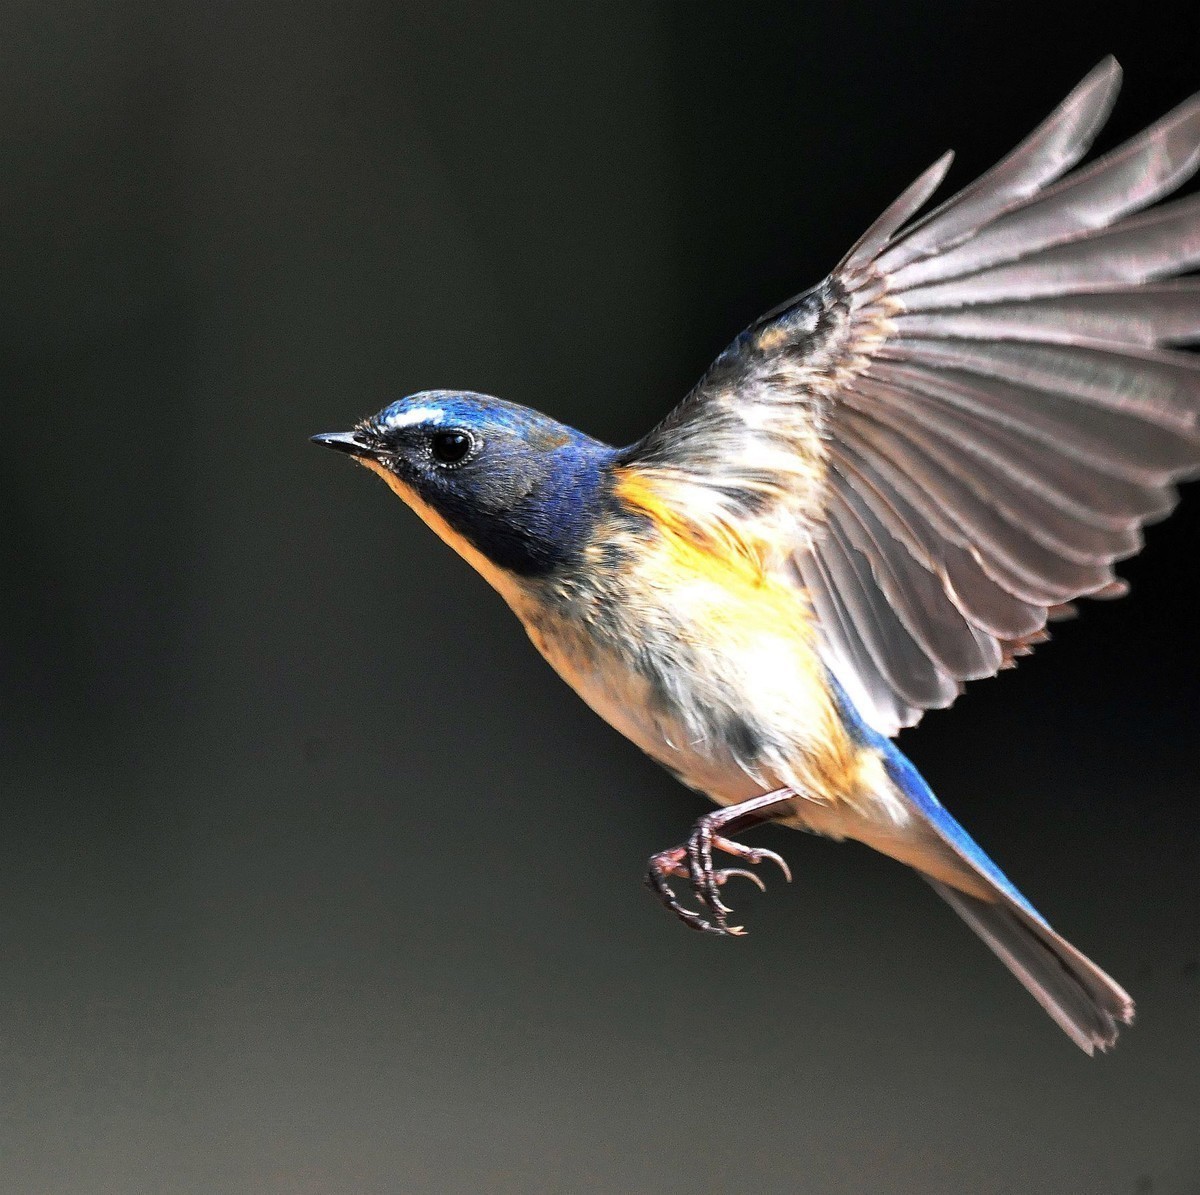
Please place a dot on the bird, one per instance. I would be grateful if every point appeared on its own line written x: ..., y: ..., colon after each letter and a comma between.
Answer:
x: 885, y: 487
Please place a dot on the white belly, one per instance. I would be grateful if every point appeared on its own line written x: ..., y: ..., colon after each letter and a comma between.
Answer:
x: 753, y: 685
x: 624, y: 702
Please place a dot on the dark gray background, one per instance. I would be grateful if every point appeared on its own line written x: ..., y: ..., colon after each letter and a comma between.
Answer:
x: 313, y: 877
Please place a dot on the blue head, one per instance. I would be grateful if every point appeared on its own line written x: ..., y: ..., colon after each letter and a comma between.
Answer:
x: 519, y: 488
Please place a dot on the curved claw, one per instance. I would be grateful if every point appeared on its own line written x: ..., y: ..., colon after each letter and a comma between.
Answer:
x: 728, y: 872
x: 656, y: 879
x: 694, y: 861
x: 758, y: 854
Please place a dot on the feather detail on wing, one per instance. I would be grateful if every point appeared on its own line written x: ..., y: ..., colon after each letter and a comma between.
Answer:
x: 962, y: 429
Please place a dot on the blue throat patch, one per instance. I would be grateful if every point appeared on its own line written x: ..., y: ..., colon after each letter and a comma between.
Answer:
x: 524, y: 490
x: 533, y: 511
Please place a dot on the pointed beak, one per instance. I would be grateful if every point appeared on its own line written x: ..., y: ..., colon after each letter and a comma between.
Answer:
x: 344, y: 442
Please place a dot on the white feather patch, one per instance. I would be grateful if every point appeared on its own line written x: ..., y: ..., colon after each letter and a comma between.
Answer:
x: 415, y: 416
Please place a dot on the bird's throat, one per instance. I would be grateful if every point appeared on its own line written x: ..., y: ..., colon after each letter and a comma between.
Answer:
x: 499, y: 579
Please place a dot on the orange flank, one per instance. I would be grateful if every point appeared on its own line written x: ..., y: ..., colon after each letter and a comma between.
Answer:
x: 742, y: 610
x: 640, y: 490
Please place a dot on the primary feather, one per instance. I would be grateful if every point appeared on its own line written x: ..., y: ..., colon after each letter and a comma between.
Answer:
x: 965, y: 426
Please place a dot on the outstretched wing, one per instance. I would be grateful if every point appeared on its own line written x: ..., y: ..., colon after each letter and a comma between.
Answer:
x: 962, y: 429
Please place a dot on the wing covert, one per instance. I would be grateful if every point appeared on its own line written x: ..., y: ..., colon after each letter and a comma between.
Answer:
x: 964, y: 427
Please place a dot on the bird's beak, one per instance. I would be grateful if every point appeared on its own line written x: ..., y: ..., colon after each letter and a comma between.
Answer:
x: 344, y: 442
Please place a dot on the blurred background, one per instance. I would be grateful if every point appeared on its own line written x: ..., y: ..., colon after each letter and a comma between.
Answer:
x: 313, y: 878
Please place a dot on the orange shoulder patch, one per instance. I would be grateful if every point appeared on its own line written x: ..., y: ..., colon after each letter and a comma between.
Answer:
x: 650, y: 494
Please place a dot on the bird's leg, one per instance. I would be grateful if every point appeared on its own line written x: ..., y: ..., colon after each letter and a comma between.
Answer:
x: 695, y: 862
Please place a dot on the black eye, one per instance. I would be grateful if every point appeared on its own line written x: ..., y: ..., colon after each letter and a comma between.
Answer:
x: 449, y: 448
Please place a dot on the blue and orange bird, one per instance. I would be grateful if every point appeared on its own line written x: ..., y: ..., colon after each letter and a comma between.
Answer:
x: 885, y: 487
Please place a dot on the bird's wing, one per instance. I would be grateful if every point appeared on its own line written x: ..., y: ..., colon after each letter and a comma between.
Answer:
x: 962, y: 428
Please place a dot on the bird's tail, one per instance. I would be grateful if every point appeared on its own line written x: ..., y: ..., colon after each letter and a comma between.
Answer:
x: 1085, y: 1002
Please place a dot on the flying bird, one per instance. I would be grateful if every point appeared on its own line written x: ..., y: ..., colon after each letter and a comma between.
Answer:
x: 883, y: 488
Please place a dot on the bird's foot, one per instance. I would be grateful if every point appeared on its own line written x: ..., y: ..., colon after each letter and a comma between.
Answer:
x: 694, y: 862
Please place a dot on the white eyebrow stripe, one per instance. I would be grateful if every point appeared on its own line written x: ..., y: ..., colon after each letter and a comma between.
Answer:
x: 417, y: 415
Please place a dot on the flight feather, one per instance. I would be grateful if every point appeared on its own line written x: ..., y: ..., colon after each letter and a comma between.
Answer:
x: 963, y: 428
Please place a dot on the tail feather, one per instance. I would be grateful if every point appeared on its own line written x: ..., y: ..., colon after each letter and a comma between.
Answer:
x: 1087, y: 1005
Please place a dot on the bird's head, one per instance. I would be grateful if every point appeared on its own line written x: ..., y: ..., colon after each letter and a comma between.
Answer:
x: 508, y: 488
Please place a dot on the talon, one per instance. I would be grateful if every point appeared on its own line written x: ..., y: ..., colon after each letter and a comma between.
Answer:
x: 725, y: 931
x: 728, y: 872
x: 753, y: 854
x: 694, y: 861
x: 759, y: 854
x: 667, y: 863
x: 714, y: 902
